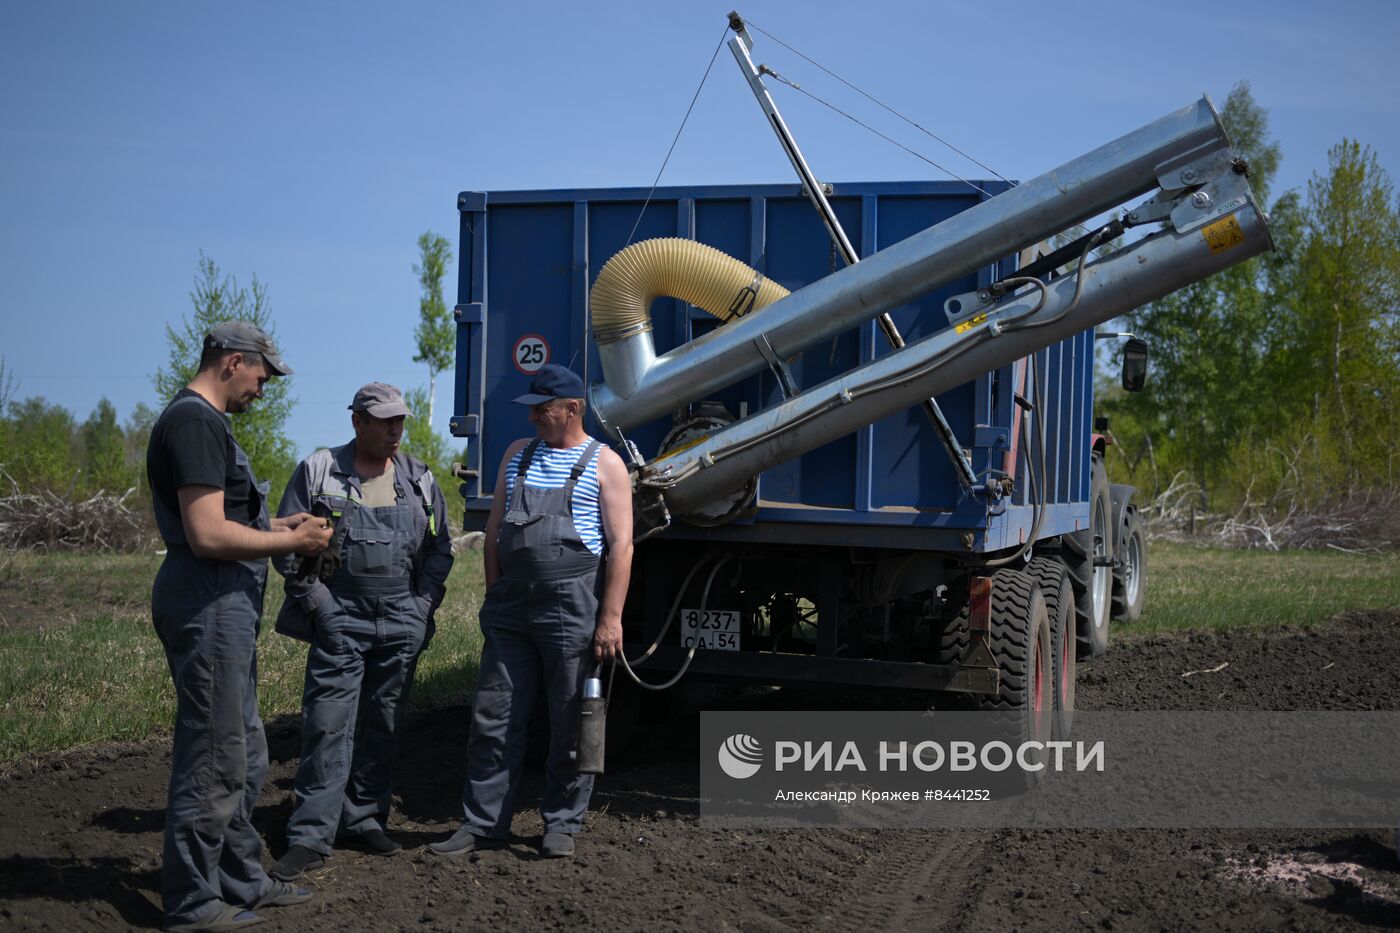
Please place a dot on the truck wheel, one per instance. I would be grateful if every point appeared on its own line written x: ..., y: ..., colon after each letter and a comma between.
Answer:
x: 1055, y: 587
x: 1020, y: 642
x: 1130, y: 574
x: 1088, y: 556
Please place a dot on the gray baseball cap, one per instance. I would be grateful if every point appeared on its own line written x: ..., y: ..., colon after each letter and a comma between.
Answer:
x: 244, y: 335
x: 380, y: 400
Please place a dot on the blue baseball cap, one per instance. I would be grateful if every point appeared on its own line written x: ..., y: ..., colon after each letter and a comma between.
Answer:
x: 551, y: 382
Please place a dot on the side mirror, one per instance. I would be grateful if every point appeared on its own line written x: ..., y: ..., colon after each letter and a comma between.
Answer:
x: 1134, y: 364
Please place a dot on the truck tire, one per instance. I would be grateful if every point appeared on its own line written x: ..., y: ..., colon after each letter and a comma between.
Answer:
x: 1055, y: 587
x: 1020, y: 642
x: 1088, y: 556
x: 1130, y: 570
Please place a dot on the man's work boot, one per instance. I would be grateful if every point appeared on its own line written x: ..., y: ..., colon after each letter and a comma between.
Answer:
x: 372, y: 841
x: 221, y: 917
x: 557, y: 845
x: 459, y: 843
x: 282, y: 894
x: 297, y: 861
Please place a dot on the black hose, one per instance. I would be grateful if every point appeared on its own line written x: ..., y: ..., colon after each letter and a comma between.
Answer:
x: 690, y: 655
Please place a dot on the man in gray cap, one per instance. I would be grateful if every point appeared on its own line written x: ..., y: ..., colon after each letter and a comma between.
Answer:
x: 367, y: 611
x: 561, y: 501
x: 206, y: 604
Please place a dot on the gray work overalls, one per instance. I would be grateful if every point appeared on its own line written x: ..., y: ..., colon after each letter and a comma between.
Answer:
x: 207, y: 613
x: 359, y: 671
x: 537, y: 622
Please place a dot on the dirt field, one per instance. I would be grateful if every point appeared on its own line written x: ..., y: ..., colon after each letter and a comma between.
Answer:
x: 80, y: 842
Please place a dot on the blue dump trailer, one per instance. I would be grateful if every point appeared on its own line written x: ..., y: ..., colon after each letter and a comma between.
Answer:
x: 870, y: 463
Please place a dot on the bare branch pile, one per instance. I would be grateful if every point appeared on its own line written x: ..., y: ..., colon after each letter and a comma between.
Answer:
x: 48, y: 521
x: 467, y: 541
x: 1357, y: 522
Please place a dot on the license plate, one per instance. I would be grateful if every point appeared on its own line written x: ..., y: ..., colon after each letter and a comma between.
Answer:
x: 714, y: 629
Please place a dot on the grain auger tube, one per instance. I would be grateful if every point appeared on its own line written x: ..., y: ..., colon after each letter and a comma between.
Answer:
x: 1209, y: 221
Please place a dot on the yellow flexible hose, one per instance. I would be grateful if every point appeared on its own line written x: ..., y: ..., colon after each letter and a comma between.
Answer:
x: 673, y: 267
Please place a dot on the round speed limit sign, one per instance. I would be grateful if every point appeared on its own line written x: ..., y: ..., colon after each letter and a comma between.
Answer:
x: 530, y: 353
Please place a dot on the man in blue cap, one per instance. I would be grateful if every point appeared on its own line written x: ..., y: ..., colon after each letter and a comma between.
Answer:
x: 367, y: 610
x: 206, y: 605
x: 561, y: 502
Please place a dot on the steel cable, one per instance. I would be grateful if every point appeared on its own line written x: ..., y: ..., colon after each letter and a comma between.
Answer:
x: 677, y: 138
x: 887, y: 107
x: 881, y: 103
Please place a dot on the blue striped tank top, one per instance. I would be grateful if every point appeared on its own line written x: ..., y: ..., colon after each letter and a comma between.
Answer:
x: 549, y: 469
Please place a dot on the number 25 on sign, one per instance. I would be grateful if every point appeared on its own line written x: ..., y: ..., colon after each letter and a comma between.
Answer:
x: 530, y: 353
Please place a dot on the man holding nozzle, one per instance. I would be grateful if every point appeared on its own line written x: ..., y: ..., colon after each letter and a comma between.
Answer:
x: 206, y: 604
x: 561, y: 501
x: 366, y: 606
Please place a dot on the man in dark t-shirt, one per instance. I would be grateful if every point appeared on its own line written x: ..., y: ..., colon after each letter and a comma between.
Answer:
x: 206, y: 604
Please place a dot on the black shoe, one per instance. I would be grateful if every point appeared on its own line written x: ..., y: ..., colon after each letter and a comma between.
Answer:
x: 557, y: 845
x: 372, y: 841
x: 459, y: 843
x: 223, y: 917
x: 296, y: 862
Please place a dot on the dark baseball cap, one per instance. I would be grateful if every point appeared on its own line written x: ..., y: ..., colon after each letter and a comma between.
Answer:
x: 380, y: 400
x: 551, y: 382
x: 245, y: 335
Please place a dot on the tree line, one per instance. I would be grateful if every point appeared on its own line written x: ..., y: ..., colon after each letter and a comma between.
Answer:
x: 45, y: 449
x: 1274, y: 383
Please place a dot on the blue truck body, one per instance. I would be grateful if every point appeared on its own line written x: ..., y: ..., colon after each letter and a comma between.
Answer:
x: 529, y: 258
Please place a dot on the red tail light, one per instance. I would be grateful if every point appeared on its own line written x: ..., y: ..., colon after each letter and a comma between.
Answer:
x: 980, y: 604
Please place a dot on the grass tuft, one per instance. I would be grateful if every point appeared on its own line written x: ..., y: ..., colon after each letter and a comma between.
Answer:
x: 1207, y: 589
x: 83, y: 665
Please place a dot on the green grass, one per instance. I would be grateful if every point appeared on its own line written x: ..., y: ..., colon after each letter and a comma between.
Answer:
x: 1208, y: 589
x: 81, y: 663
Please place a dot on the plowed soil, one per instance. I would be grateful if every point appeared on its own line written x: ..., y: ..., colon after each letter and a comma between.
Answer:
x: 81, y: 833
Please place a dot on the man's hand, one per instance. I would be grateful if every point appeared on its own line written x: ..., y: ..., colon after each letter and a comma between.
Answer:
x: 312, y: 537
x: 607, y: 638
x: 290, y: 522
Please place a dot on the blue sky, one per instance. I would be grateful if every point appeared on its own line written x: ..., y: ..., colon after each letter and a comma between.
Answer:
x: 310, y: 143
